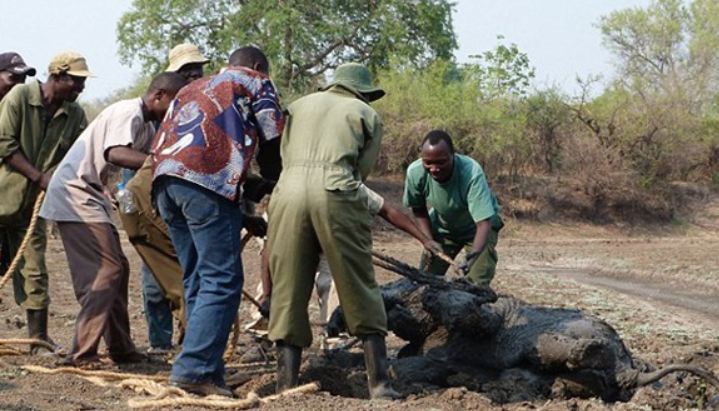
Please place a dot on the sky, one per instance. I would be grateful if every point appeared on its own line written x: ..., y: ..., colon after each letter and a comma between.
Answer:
x: 559, y: 36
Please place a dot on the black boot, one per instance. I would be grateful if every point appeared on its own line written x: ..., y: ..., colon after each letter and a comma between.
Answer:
x: 288, y: 366
x: 375, y: 359
x: 37, y: 328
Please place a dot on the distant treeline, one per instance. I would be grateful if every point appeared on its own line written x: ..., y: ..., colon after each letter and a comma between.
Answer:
x: 637, y: 146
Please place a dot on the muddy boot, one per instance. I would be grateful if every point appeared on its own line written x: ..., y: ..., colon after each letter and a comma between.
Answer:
x: 375, y: 359
x: 288, y: 366
x: 37, y: 328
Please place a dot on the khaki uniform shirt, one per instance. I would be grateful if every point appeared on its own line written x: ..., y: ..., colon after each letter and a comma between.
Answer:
x: 345, y: 146
x: 24, y: 126
x: 75, y: 192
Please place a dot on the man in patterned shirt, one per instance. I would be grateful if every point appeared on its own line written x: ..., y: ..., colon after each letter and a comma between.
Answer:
x: 201, y: 156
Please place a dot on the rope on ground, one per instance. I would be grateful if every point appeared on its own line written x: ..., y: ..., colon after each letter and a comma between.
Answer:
x: 25, y: 241
x: 250, y: 364
x: 108, y: 375
x: 162, y: 399
x: 164, y: 395
x: 206, y: 402
x: 10, y: 351
x: 6, y: 342
x: 302, y: 389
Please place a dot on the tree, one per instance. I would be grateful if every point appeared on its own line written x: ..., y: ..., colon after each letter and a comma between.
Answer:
x: 302, y: 38
x: 502, y: 71
x: 669, y: 81
x: 668, y: 46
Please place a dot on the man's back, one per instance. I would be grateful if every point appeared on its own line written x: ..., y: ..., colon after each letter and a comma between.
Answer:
x: 213, y: 128
x: 335, y: 131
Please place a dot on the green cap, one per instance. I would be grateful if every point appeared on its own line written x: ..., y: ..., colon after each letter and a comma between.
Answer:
x: 357, y: 78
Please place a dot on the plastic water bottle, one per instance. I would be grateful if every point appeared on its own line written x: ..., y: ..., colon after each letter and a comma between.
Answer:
x: 125, y: 199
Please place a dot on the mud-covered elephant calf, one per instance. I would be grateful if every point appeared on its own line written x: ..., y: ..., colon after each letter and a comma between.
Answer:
x: 456, y: 327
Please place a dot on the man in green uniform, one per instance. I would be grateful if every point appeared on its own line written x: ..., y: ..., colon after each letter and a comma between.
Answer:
x: 38, y: 124
x: 330, y: 145
x: 465, y: 212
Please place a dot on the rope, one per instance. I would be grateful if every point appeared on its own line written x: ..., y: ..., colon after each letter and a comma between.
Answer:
x: 10, y: 351
x: 251, y: 299
x: 230, y: 349
x: 207, y: 402
x: 302, y: 389
x: 30, y: 341
x: 25, y: 241
x: 249, y: 365
x: 164, y: 395
x: 162, y: 399
x: 107, y: 375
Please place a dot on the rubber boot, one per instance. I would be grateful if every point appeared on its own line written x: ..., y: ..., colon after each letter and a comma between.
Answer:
x: 37, y: 328
x: 288, y: 366
x: 375, y: 359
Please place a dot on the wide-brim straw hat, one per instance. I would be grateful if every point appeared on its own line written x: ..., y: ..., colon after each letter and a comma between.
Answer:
x: 185, y: 54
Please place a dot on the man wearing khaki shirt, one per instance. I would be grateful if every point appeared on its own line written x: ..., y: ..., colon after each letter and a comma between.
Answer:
x: 38, y: 124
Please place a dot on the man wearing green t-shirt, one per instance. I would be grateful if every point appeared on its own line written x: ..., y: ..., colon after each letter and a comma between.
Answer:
x: 464, y: 213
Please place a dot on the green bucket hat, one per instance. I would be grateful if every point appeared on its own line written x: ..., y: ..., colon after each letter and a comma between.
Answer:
x: 357, y: 78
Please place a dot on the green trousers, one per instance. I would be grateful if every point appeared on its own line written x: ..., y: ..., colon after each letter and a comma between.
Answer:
x: 304, y: 221
x: 30, y: 279
x: 148, y: 234
x: 483, y: 269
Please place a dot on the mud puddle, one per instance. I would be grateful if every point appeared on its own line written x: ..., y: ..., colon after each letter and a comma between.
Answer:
x: 706, y: 306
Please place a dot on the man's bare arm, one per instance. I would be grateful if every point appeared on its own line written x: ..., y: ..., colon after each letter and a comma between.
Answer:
x: 479, y: 242
x: 126, y: 157
x: 19, y: 162
x: 422, y: 216
x: 404, y: 223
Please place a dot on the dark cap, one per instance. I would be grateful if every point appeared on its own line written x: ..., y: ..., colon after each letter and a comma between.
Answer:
x: 13, y: 63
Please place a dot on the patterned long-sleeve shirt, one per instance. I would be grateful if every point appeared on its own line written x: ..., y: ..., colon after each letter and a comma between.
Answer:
x: 213, y: 127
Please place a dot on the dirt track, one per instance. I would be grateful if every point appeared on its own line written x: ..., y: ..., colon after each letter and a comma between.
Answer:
x: 659, y: 289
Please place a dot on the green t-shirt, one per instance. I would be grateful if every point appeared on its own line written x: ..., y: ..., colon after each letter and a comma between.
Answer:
x: 457, y: 204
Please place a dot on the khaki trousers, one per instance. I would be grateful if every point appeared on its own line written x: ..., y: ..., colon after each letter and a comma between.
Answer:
x: 100, y: 274
x: 304, y: 221
x: 30, y: 279
x: 150, y: 237
x: 480, y: 273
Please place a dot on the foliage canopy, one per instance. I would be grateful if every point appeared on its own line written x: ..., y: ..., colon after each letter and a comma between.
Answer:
x: 302, y: 38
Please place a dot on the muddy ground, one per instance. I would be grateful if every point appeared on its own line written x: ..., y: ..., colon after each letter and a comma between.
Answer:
x: 658, y: 286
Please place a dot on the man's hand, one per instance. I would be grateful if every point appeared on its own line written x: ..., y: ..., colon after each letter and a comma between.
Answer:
x: 433, y: 247
x: 44, y: 181
x: 257, y: 226
x: 469, y: 260
x: 256, y: 187
x: 265, y: 302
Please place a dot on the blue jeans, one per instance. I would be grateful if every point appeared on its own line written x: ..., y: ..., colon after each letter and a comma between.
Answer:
x: 158, y: 313
x: 205, y: 230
